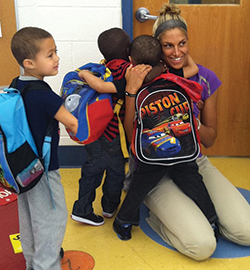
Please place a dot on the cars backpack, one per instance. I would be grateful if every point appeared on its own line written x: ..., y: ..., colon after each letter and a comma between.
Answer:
x: 165, y: 128
x: 20, y: 166
x: 92, y: 109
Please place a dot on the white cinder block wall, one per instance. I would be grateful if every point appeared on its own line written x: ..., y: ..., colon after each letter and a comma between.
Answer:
x: 75, y: 26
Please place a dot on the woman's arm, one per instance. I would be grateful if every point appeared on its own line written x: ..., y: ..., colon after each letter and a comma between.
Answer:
x: 67, y: 119
x: 208, y: 128
x: 129, y: 117
x: 96, y: 83
x: 134, y: 77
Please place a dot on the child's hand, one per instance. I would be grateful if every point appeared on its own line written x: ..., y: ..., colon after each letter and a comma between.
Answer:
x: 83, y: 73
x: 164, y: 66
x: 200, y: 104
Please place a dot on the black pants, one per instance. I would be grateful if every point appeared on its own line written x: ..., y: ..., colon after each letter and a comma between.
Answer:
x: 146, y: 177
x: 102, y: 156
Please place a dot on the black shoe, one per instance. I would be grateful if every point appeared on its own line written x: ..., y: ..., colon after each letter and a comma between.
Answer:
x: 91, y: 219
x: 215, y: 227
x: 123, y: 231
x: 61, y: 253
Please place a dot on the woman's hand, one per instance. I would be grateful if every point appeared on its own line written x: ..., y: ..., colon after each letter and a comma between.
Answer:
x: 135, y: 77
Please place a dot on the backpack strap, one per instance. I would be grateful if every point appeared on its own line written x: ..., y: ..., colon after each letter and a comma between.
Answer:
x: 30, y: 86
x: 121, y: 129
x: 14, y: 83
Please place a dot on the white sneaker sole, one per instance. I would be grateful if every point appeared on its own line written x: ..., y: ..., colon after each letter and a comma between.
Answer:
x: 108, y: 215
x: 86, y: 221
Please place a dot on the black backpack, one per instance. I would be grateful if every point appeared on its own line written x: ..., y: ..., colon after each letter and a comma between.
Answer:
x: 165, y: 128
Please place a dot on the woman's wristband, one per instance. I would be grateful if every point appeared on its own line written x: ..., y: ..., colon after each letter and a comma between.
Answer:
x: 199, y: 123
x: 129, y: 94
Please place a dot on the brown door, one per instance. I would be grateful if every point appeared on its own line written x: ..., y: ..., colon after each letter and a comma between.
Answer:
x: 219, y: 38
x: 8, y: 66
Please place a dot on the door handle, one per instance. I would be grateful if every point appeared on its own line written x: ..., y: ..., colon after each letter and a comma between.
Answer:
x: 142, y: 15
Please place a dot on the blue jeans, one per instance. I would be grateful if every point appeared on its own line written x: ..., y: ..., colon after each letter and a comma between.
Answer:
x: 102, y: 156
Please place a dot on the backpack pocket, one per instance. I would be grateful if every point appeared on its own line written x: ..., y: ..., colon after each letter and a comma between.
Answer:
x: 26, y: 167
x: 30, y: 173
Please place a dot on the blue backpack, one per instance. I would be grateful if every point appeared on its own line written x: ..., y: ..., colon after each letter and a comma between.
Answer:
x: 92, y: 109
x: 20, y: 166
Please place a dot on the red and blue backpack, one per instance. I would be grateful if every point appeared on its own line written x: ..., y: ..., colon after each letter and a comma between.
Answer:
x: 92, y: 109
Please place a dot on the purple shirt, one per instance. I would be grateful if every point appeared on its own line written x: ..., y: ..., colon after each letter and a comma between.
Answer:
x: 209, y: 82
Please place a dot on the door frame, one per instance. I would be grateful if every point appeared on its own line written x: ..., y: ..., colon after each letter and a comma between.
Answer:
x: 9, y: 23
x: 16, y: 14
x: 127, y: 17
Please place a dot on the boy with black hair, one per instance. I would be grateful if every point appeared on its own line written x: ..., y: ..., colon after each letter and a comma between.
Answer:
x: 105, y: 154
x: 113, y: 44
x: 146, y: 176
x: 42, y: 210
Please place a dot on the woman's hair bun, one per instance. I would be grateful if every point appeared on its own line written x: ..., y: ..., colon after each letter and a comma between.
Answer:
x: 169, y: 9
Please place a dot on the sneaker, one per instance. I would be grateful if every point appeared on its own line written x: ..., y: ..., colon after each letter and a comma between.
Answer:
x: 108, y: 214
x: 91, y: 219
x: 123, y: 231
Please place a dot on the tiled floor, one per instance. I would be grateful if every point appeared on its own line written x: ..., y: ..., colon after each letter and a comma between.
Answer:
x: 142, y: 253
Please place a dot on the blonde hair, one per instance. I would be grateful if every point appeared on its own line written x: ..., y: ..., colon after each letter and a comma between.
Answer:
x: 169, y: 13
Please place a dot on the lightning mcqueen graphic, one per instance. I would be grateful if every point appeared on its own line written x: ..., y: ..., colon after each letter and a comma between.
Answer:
x: 179, y: 128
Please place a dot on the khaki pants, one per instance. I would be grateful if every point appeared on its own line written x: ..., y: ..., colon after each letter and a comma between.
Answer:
x: 181, y: 224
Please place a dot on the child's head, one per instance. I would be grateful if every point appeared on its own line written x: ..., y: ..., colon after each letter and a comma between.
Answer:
x: 114, y: 43
x: 25, y: 44
x: 145, y: 49
x: 35, y: 51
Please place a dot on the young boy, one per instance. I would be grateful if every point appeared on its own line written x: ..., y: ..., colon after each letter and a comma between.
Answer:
x: 42, y: 210
x: 105, y: 154
x: 146, y: 176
